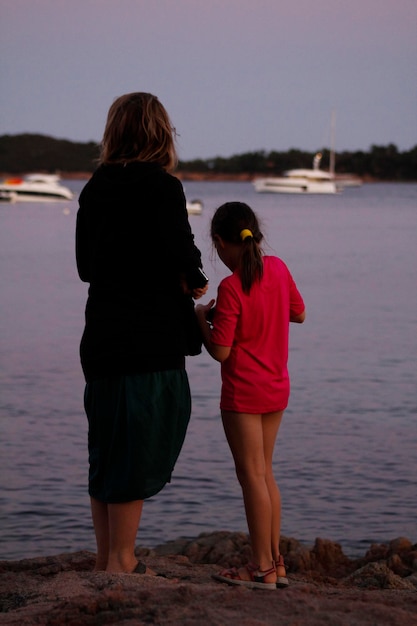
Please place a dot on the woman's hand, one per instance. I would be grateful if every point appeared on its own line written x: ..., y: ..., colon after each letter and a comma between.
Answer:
x: 196, y: 293
x: 199, y: 292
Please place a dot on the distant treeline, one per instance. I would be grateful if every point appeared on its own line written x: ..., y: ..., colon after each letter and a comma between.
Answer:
x: 380, y: 163
x: 34, y: 153
x: 31, y: 152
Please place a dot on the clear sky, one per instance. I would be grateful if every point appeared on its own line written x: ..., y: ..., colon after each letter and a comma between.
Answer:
x: 235, y: 75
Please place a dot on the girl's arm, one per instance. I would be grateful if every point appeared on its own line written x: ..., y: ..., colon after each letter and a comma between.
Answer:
x: 219, y: 353
x: 298, y: 319
x: 297, y: 308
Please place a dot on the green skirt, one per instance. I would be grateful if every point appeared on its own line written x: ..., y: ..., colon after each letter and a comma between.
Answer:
x: 136, y: 428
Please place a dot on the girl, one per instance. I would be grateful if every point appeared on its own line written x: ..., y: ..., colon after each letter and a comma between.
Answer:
x: 249, y: 336
x: 135, y: 248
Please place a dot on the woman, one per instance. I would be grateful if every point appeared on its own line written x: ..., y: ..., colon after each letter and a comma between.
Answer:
x: 135, y: 248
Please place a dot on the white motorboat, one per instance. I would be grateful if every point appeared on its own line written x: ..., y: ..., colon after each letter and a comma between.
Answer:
x: 34, y: 188
x: 194, y: 207
x: 304, y: 181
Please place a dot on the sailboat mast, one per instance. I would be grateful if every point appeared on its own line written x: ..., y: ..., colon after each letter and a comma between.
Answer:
x: 332, y: 143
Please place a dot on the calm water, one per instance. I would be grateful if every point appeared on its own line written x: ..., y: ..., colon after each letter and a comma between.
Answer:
x: 346, y: 456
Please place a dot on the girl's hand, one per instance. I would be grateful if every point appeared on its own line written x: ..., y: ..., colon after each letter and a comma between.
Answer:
x: 203, y: 313
x: 203, y: 310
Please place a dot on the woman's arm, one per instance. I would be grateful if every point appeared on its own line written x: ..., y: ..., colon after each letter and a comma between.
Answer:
x: 82, y: 247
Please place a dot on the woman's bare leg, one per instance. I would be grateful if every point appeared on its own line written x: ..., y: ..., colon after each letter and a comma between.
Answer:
x: 124, y: 519
x: 101, y: 528
x: 116, y: 527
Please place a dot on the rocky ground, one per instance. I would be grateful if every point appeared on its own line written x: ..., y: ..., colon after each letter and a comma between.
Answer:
x: 326, y: 587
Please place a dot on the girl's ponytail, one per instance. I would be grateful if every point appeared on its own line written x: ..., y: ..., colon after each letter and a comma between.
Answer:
x: 251, y: 264
x: 235, y: 222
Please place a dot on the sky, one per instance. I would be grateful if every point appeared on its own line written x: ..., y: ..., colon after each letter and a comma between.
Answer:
x: 235, y: 76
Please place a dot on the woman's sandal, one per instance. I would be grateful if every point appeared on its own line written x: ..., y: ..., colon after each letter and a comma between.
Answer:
x: 142, y: 568
x: 232, y: 577
x: 282, y: 581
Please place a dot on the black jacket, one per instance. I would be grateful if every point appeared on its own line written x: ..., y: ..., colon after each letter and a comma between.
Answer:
x: 133, y: 244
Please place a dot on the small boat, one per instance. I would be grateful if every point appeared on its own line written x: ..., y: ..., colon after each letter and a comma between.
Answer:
x: 194, y: 207
x: 34, y: 188
x: 304, y: 181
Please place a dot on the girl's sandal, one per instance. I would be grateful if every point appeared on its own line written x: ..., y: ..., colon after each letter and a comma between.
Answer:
x: 282, y: 581
x: 256, y: 577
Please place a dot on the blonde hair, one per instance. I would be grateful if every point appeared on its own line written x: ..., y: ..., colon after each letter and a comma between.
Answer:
x: 138, y: 128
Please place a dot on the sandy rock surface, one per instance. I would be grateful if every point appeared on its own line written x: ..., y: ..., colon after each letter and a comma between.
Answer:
x: 326, y: 588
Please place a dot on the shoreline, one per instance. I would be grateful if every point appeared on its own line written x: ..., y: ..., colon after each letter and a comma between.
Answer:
x: 325, y: 587
x: 185, y: 175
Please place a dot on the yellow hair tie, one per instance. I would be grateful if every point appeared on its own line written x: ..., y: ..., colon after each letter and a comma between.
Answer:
x: 245, y: 233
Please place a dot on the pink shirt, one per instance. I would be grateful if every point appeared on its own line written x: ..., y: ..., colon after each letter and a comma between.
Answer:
x: 255, y: 375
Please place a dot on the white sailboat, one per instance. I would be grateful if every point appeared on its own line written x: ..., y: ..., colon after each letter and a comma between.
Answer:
x: 303, y: 180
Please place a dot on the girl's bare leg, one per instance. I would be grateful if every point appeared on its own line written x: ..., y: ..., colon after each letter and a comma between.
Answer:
x: 271, y: 424
x: 245, y: 435
x: 116, y: 527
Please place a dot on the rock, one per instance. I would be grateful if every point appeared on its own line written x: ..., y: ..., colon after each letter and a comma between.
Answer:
x: 413, y: 560
x: 325, y: 561
x: 222, y: 548
x: 412, y: 579
x: 376, y: 552
x: 400, y: 545
x: 328, y: 558
x: 396, y: 564
x: 399, y: 555
x: 378, y: 576
x: 62, y: 590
